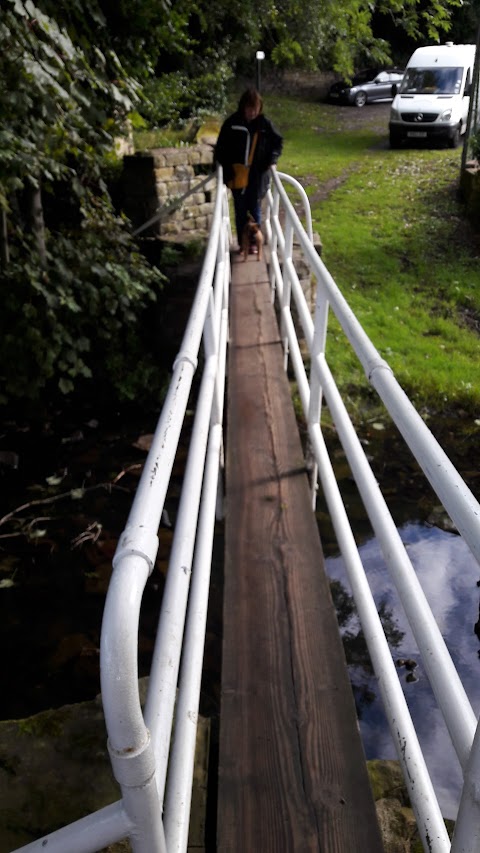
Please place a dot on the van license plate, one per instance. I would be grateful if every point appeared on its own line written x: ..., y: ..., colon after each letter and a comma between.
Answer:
x: 418, y: 134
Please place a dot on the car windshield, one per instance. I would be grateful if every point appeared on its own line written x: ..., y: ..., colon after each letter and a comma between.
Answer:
x: 432, y: 81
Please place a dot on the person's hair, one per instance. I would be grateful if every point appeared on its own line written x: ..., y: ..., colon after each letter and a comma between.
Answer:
x: 250, y: 98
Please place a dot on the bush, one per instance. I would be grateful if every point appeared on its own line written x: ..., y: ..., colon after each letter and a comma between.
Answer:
x: 475, y: 145
x: 77, y: 318
x: 176, y: 97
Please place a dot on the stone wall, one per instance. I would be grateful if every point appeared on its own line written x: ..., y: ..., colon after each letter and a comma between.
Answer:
x: 55, y: 769
x: 154, y: 179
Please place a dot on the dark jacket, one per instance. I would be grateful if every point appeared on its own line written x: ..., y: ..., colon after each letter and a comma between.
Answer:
x: 233, y: 146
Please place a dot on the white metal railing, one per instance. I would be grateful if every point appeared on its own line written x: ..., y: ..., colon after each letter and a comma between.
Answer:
x: 163, y: 211
x: 152, y: 758
x: 282, y: 227
x: 155, y: 806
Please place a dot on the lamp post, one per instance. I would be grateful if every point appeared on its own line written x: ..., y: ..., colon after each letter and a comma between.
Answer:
x: 259, y: 56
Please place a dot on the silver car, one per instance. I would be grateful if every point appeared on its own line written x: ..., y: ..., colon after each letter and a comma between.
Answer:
x: 366, y: 87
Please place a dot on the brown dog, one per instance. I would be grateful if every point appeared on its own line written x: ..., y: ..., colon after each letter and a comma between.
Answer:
x: 252, y: 234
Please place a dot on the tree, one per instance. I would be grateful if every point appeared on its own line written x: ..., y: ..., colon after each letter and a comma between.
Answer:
x: 340, y: 34
x: 323, y: 33
x: 68, y: 261
x: 465, y: 23
x: 72, y: 72
x: 137, y: 32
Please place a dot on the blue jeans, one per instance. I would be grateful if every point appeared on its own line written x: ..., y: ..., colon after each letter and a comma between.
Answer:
x: 246, y: 201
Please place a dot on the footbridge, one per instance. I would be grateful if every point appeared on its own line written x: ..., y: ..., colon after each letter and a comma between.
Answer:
x: 291, y: 767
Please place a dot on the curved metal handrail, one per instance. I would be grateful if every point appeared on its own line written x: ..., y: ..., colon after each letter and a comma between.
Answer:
x: 304, y: 197
x: 455, y: 495
x: 154, y: 808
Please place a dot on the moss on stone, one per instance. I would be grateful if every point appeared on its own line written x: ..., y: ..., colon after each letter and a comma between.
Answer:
x: 395, y: 816
x: 55, y: 768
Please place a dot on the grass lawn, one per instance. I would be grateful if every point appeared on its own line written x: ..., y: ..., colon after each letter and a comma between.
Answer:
x: 397, y: 243
x: 396, y: 240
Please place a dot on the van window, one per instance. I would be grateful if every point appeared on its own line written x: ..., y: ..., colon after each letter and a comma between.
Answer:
x: 432, y: 81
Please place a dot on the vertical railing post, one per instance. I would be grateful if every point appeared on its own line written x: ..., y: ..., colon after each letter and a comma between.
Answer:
x: 223, y: 300
x: 318, y: 348
x: 287, y: 287
x: 272, y: 234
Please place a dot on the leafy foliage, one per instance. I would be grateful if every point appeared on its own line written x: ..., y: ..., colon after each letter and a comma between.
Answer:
x: 73, y: 72
x: 74, y: 285
x: 319, y: 34
x: 475, y: 145
x: 75, y: 320
x: 343, y: 35
x: 398, y: 245
x: 56, y: 104
x: 176, y: 96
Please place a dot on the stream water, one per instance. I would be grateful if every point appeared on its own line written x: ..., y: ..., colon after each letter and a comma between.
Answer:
x: 449, y: 576
x: 75, y: 478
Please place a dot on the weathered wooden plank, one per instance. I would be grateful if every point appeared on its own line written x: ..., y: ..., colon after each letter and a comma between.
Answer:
x: 292, y: 773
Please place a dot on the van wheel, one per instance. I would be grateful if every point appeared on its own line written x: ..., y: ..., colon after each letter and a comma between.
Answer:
x: 360, y: 99
x: 455, y: 139
x: 394, y: 141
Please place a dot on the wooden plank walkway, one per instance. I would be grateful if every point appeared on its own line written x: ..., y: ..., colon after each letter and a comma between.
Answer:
x: 292, y: 772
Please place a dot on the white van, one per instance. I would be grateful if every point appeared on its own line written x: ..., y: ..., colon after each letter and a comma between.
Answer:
x: 432, y: 100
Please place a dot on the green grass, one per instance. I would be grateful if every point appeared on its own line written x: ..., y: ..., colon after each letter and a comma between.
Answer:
x: 175, y: 137
x: 164, y: 138
x: 397, y: 243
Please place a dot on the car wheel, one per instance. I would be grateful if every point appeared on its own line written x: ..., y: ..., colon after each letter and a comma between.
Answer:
x: 395, y: 141
x: 360, y: 99
x: 455, y: 138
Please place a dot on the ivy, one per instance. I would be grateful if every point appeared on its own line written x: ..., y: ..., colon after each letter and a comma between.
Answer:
x: 72, y: 321
x: 75, y: 288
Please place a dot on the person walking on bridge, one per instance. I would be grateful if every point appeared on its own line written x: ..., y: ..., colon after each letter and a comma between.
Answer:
x: 247, y: 146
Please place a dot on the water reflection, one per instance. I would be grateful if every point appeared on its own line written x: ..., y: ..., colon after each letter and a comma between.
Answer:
x: 448, y: 574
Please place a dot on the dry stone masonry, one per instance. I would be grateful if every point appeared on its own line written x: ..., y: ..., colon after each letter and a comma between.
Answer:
x: 155, y: 179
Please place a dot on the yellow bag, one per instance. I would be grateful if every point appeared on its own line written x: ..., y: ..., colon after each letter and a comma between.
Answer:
x: 240, y: 176
x: 241, y: 170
